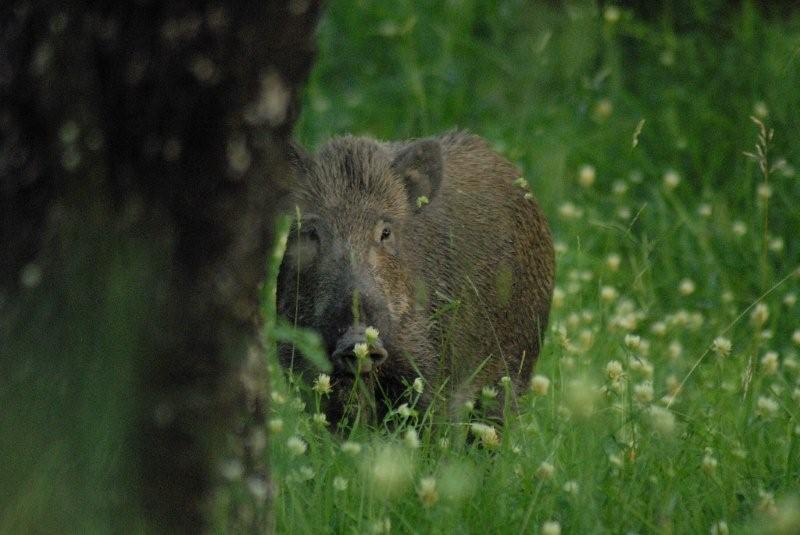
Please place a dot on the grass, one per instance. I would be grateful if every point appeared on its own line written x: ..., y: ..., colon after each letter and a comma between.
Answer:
x: 664, y: 230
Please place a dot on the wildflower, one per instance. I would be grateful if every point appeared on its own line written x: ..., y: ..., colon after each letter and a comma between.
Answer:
x: 704, y: 210
x: 540, y: 385
x: 790, y: 299
x: 444, y: 443
x: 489, y: 392
x: 739, y: 228
x: 624, y: 212
x: 545, y: 471
x: 257, y: 487
x: 770, y: 362
x: 380, y: 527
x: 616, y: 460
x: 411, y: 438
x: 641, y: 366
x: 760, y: 109
x: 486, y: 433
x: 709, y: 463
x: 560, y: 247
x: 764, y: 191
x: 320, y: 419
x: 418, y: 385
x: 608, y: 294
x: 619, y: 188
x: 277, y: 397
x: 633, y: 341
x: 659, y: 328
x: 571, y: 487
x: 351, y: 448
x: 686, y: 287
x: 522, y: 183
x: 569, y: 211
x: 766, y: 502
x: 371, y: 334
x: 558, y: 297
x: 643, y: 392
x: 427, y: 491
x: 305, y: 473
x: 296, y: 446
x: 675, y: 350
x: 776, y: 245
x: 505, y: 381
x: 671, y: 179
x: 275, y: 425
x: 613, y: 261
x: 612, y: 15
x: 796, y: 337
x: 404, y: 410
x: 469, y: 405
x: 586, y: 176
x: 551, y: 527
x: 661, y: 419
x: 721, y: 346
x: 361, y: 350
x: 720, y: 528
x: 322, y: 384
x: 614, y: 370
x: 389, y: 470
x: 766, y: 406
x: 231, y: 469
x: 796, y: 395
x: 340, y: 483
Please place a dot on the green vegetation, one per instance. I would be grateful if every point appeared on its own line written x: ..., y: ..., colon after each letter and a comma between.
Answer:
x: 668, y: 396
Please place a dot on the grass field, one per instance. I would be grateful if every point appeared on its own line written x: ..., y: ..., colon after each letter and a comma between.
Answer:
x: 673, y: 401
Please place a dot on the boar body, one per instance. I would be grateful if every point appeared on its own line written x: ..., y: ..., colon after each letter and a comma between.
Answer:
x: 430, y: 242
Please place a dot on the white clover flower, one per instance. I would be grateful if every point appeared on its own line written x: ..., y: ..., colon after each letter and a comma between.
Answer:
x: 371, y: 334
x: 322, y: 384
x: 770, y: 363
x: 489, y: 392
x: 505, y: 381
x: 569, y: 211
x: 709, y: 463
x: 641, y: 366
x: 766, y: 503
x: 766, y: 406
x: 305, y: 473
x: 633, y: 341
x: 619, y: 187
x: 704, y: 210
x: 389, y: 469
x: 351, y: 448
x: 659, y: 328
x: 571, y: 487
x: 675, y: 350
x: 361, y: 350
x: 340, y: 484
x: 277, y: 397
x: 613, y: 261
x: 411, y: 439
x: 296, y: 445
x: 608, y: 294
x: 661, y: 419
x: 540, y: 385
x: 558, y: 297
x: 427, y: 492
x: 614, y: 370
x: 551, y: 527
x: 790, y: 299
x: 776, y: 245
x: 719, y: 528
x: 545, y: 471
x: 764, y: 191
x: 760, y: 109
x: 587, y: 175
x: 796, y: 337
x: 721, y: 346
x: 320, y: 419
x: 671, y: 179
x: 486, y: 433
x: 686, y: 287
x: 418, y: 385
x: 275, y: 425
x: 612, y: 15
x: 404, y: 410
x: 469, y: 405
x: 739, y: 228
x: 643, y: 392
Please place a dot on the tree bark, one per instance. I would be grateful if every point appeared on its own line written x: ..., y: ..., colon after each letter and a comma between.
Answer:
x: 141, y: 151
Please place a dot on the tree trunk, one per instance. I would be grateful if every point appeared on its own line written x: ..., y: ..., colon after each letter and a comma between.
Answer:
x: 141, y: 147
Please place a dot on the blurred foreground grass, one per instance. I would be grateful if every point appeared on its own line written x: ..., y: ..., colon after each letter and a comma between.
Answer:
x: 672, y: 399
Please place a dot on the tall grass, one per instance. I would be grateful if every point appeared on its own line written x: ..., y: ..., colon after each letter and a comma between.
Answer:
x: 673, y: 402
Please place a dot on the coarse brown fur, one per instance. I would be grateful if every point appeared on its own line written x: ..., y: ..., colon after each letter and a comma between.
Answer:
x: 460, y: 290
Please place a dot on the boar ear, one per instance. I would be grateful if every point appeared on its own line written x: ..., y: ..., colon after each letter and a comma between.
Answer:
x: 420, y: 166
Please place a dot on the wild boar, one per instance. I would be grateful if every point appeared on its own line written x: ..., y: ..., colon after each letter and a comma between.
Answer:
x: 428, y: 241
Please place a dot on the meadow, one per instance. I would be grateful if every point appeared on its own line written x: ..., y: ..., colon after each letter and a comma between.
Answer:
x: 663, y: 148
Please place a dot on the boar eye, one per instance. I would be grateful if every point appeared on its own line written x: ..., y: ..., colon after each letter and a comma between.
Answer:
x: 385, y: 233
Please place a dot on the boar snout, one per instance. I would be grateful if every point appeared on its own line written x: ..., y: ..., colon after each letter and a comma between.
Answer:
x: 345, y: 358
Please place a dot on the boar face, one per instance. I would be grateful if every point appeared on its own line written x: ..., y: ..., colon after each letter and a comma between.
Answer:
x: 349, y: 263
